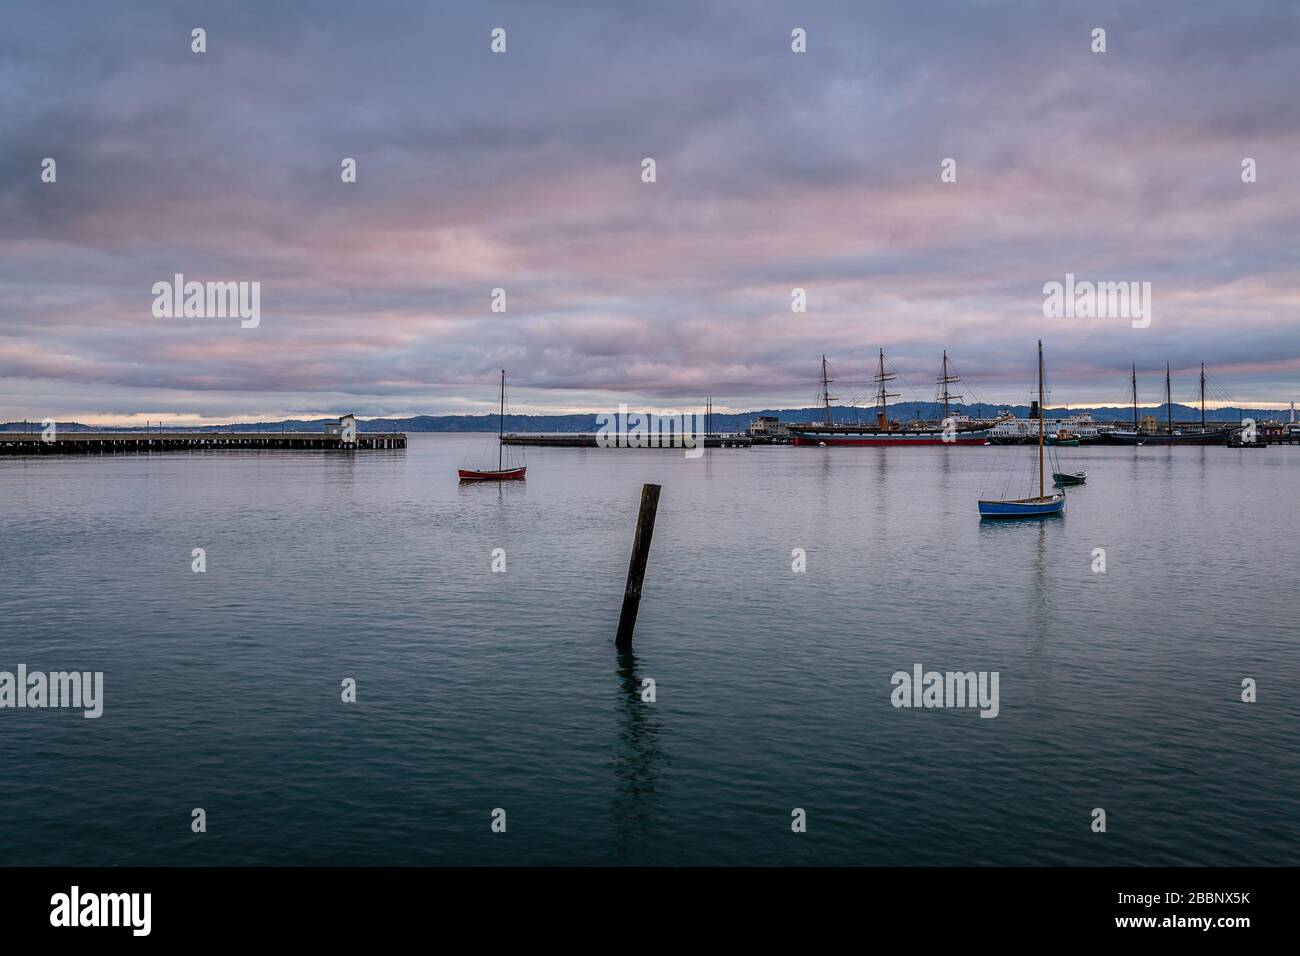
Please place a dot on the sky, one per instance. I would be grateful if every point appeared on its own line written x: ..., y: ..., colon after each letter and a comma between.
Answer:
x: 522, y: 171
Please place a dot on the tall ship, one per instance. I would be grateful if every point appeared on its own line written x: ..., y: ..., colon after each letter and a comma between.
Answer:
x: 1153, y: 435
x: 962, y: 430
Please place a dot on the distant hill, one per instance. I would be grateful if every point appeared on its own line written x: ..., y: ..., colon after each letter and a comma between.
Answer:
x: 904, y: 411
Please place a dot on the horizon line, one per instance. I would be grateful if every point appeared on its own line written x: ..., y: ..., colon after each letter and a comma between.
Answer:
x: 119, y: 421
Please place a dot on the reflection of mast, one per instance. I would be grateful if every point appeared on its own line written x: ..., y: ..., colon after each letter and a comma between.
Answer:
x: 882, y: 394
x: 826, y: 391
x: 945, y: 380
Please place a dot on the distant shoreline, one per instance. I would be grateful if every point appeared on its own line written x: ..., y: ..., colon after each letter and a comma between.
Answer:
x: 726, y: 422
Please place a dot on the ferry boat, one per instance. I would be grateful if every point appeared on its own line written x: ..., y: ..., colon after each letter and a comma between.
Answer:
x: 1020, y: 431
x: 964, y: 430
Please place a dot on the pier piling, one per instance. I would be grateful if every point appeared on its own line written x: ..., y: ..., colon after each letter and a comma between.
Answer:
x: 645, y: 529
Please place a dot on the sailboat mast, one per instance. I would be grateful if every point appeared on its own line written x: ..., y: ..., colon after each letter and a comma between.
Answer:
x: 826, y: 392
x: 1135, y: 397
x: 501, y: 422
x: 1040, y: 418
x: 1169, y: 401
x: 1202, y: 396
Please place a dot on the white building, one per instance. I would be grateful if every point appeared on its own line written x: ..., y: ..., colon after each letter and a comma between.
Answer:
x: 346, y: 425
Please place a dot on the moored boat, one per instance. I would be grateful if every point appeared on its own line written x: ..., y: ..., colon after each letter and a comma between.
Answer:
x: 1041, y: 506
x: 894, y: 435
x: 1008, y: 430
x: 1217, y: 436
x: 1070, y: 477
x: 1171, y: 435
x: 501, y: 472
x: 504, y: 474
x: 1024, y: 507
x: 959, y: 431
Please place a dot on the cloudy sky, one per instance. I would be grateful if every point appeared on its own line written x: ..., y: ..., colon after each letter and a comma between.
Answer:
x: 522, y: 171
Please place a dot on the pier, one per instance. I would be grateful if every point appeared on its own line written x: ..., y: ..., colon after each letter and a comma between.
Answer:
x: 587, y: 440
x: 114, y: 442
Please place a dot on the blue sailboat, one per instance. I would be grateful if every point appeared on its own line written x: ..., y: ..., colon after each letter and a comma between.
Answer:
x: 1044, y: 505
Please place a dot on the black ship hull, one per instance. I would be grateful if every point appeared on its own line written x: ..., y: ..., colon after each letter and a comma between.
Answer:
x: 1216, y: 437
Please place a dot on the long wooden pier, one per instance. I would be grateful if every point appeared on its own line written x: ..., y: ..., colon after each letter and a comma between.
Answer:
x: 114, y: 442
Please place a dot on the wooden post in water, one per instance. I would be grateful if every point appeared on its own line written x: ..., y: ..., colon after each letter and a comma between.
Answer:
x: 645, y: 529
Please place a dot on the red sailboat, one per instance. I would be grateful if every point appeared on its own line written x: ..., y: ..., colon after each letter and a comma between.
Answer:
x: 501, y: 473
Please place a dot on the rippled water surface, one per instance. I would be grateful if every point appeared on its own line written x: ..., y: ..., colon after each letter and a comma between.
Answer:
x: 479, y: 690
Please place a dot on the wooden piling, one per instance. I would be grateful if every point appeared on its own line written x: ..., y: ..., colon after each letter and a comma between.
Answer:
x: 645, y: 529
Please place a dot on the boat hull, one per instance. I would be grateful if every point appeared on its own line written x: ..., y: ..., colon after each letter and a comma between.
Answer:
x: 886, y: 438
x: 1023, y: 508
x: 1069, y: 478
x: 505, y: 474
x: 1185, y: 438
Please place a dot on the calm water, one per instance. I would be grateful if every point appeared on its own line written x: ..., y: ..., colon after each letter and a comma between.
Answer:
x: 479, y: 690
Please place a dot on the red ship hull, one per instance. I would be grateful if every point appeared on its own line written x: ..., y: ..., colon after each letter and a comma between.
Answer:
x: 505, y: 474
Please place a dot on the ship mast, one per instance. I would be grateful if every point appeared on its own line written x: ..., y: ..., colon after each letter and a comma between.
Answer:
x: 1135, y: 398
x: 945, y: 380
x: 501, y: 422
x: 1202, y: 396
x: 826, y: 391
x: 883, y: 395
x: 1169, y: 401
x: 1040, y: 419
